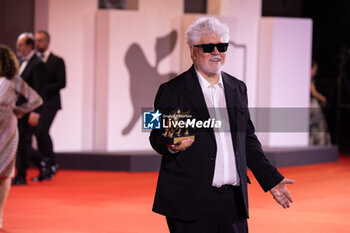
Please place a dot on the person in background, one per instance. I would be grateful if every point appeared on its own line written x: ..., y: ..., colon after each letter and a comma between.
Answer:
x: 11, y: 86
x: 33, y: 72
x: 56, y: 80
x: 319, y: 134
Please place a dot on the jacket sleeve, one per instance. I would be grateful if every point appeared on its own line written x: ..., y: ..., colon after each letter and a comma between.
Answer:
x: 60, y: 77
x: 40, y: 82
x: 33, y: 99
x: 165, y: 101
x: 266, y: 174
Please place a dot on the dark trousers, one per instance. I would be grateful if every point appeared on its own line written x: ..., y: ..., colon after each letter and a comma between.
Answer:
x: 25, y: 151
x: 225, y: 213
x: 42, y: 134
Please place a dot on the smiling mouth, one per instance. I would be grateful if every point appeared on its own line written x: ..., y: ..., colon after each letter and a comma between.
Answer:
x: 215, y: 59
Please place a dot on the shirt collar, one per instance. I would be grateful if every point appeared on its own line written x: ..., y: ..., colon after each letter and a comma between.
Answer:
x: 29, y: 56
x: 46, y: 54
x: 205, y: 84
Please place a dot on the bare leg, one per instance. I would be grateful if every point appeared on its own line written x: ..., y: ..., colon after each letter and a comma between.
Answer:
x: 5, y: 184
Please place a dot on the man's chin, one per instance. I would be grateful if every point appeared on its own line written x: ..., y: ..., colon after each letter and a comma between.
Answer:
x: 211, y: 73
x: 214, y: 71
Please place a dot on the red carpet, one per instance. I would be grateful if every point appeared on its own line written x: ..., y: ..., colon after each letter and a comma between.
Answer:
x: 101, y: 202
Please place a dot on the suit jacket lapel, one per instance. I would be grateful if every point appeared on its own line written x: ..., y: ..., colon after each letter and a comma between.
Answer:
x: 31, y: 60
x: 232, y: 105
x: 49, y: 58
x: 196, y: 97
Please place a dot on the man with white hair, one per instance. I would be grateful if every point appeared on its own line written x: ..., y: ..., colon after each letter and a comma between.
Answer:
x: 202, y: 183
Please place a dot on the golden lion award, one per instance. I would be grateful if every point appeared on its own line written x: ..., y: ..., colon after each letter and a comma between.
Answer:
x: 175, y: 127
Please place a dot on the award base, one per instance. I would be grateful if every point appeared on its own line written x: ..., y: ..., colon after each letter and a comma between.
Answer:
x: 178, y: 140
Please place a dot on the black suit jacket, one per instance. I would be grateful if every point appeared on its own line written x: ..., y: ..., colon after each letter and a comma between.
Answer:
x: 185, y: 178
x: 56, y: 81
x: 35, y: 75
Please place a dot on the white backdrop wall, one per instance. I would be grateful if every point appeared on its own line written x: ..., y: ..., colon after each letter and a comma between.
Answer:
x: 247, y: 15
x: 71, y: 25
x: 285, y: 46
x: 138, y: 55
x: 116, y: 59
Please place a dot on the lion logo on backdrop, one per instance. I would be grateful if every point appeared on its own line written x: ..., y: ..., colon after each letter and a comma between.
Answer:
x: 144, y: 78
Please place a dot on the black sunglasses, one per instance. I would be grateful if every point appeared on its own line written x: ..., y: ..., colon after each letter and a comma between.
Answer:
x: 209, y: 48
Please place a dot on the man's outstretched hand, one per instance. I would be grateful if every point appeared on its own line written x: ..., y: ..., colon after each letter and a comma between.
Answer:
x: 281, y: 194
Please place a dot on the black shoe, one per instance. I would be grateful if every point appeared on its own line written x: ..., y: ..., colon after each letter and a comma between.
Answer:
x: 19, y: 180
x: 44, y: 173
x: 39, y: 178
x: 53, y: 169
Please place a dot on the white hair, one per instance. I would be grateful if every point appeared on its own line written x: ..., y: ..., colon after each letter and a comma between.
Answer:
x: 206, y: 26
x: 26, y: 35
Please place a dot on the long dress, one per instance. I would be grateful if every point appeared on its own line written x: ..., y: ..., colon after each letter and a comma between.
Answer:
x: 9, y: 93
x: 319, y: 134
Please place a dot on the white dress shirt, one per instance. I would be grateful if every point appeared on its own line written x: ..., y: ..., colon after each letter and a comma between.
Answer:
x: 45, y: 55
x: 225, y: 164
x: 25, y: 62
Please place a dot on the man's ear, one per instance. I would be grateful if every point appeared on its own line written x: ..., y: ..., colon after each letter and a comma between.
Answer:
x: 193, y: 57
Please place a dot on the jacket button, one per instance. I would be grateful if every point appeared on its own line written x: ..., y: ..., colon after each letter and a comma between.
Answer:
x: 212, y: 158
x: 210, y: 181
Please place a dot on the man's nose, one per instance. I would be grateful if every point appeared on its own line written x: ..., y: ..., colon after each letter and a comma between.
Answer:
x: 215, y: 51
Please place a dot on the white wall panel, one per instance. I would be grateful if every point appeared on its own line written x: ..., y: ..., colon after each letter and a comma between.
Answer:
x: 71, y: 25
x: 137, y: 51
x: 284, y: 80
x: 246, y: 14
